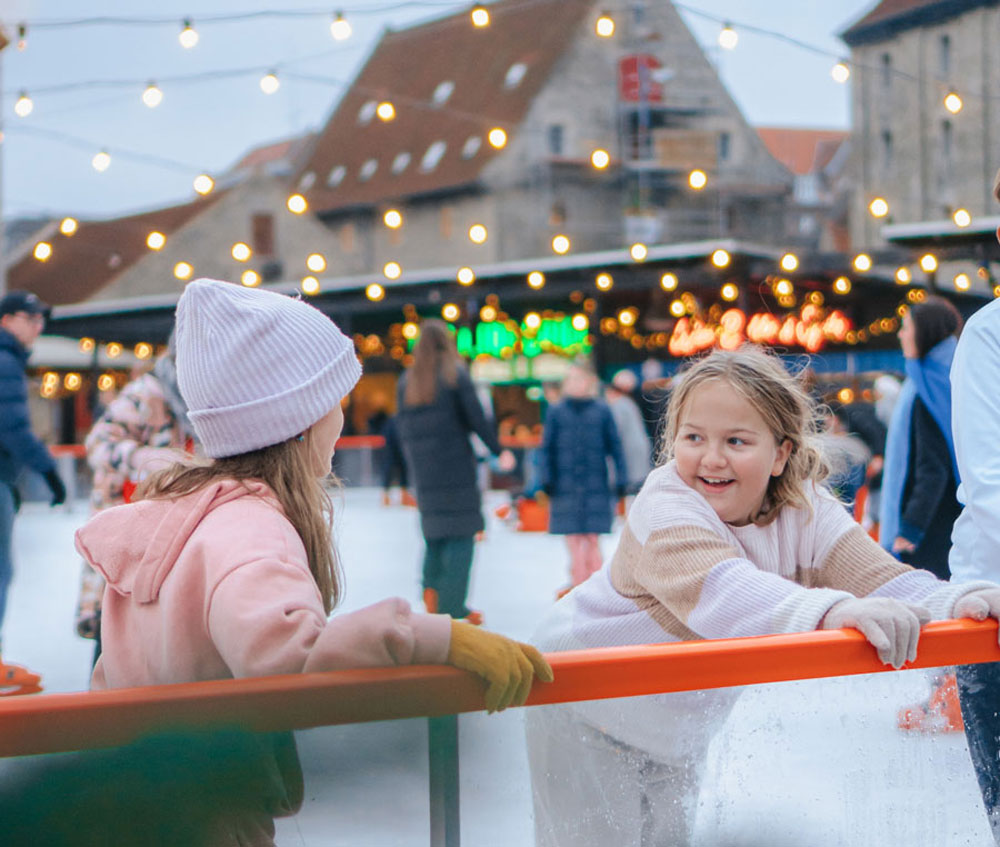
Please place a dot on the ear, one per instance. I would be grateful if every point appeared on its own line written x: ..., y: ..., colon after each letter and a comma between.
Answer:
x: 781, y: 457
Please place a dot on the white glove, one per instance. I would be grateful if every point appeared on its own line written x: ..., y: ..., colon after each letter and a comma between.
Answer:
x: 979, y: 605
x: 891, y: 627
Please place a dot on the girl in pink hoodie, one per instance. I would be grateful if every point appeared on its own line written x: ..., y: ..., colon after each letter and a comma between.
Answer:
x: 226, y: 568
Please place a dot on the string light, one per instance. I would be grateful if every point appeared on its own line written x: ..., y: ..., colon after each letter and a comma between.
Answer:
x: 668, y: 282
x: 840, y: 72
x: 385, y: 111
x: 626, y: 317
x: 862, y: 262
x: 961, y: 217
x: 105, y: 382
x: 604, y: 282
x: 392, y: 270
x: 410, y: 330
x: 638, y: 252
x: 24, y: 105
x: 605, y: 25
x: 789, y: 262
x: 478, y: 233
x: 497, y: 137
x: 728, y: 38
x: 561, y: 244
x: 241, y: 251
x: 962, y: 282
x: 480, y: 17
x: 532, y: 320
x: 729, y: 292
x: 392, y: 218
x: 297, y: 204
x: 600, y: 159
x: 143, y: 350
x: 316, y: 262
x: 536, y: 279
x: 203, y: 184
x: 720, y: 258
x: 903, y: 276
x: 784, y: 288
x: 269, y: 82
x: 580, y: 322
x: 72, y: 381
x: 450, y: 312
x: 250, y: 278
x: 928, y: 263
x: 697, y: 179
x: 68, y: 226
x: 43, y: 251
x: 842, y: 285
x: 22, y: 36
x: 953, y: 103
x: 879, y: 208
x: 465, y: 276
x: 487, y: 313
x: 374, y: 292
x: 101, y: 161
x: 310, y: 285
x: 677, y: 308
x: 183, y: 270
x: 189, y: 35
x: 113, y: 350
x: 152, y: 96
x: 340, y: 28
x: 155, y: 240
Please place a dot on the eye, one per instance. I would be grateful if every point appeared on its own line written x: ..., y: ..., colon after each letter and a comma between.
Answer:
x: 737, y: 442
x: 692, y: 436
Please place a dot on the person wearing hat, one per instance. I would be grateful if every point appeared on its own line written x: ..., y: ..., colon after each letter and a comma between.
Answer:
x: 22, y: 317
x: 225, y: 567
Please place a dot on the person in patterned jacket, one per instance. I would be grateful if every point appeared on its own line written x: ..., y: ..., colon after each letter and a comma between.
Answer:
x: 142, y: 429
x: 733, y: 535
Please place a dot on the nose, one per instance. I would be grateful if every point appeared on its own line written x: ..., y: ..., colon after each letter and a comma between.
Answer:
x: 713, y: 456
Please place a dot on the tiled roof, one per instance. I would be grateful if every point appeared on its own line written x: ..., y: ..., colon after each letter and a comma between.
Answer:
x: 407, y: 68
x: 82, y: 264
x: 889, y: 15
x: 267, y: 154
x: 802, y: 151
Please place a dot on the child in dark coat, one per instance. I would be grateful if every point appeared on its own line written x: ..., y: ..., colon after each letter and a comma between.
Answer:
x: 580, y: 436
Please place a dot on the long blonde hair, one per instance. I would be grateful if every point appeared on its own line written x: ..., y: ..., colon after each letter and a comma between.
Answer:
x: 764, y: 382
x: 286, y: 469
x: 434, y: 355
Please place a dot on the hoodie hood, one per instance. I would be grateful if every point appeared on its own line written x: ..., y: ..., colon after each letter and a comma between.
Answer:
x: 135, y: 546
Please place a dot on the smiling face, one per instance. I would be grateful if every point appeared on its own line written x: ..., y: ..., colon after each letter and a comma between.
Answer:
x: 726, y: 452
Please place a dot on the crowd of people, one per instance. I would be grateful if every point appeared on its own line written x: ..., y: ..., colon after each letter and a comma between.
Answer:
x: 757, y: 510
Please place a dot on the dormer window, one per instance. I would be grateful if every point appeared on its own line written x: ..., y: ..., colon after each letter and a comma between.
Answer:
x: 368, y: 170
x: 336, y: 176
x: 433, y: 156
x: 443, y: 92
x: 367, y: 112
x: 400, y: 163
x: 307, y: 180
x: 515, y: 73
x: 471, y: 146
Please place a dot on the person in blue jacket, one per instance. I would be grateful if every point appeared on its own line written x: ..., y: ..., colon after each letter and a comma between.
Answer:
x: 22, y: 316
x: 580, y: 435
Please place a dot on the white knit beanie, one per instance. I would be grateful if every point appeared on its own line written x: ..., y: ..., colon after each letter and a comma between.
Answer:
x: 255, y: 367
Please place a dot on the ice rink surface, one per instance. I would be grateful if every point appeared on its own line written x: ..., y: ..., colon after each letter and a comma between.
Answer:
x: 818, y: 763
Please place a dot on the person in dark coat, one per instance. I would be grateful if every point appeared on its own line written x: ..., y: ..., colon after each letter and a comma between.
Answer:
x: 438, y: 411
x: 22, y: 316
x: 580, y: 436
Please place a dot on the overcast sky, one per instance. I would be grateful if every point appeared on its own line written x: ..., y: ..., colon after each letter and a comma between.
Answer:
x: 206, y: 125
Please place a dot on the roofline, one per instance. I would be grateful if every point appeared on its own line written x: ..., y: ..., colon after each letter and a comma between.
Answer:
x: 885, y: 28
x: 945, y: 228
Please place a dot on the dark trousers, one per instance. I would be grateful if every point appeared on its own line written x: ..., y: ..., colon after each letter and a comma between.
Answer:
x: 447, y: 563
x: 979, y: 694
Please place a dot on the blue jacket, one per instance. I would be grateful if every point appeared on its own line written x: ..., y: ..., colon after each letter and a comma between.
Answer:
x: 19, y: 447
x: 580, y: 436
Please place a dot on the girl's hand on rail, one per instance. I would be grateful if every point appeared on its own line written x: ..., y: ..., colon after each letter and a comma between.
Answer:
x: 979, y: 605
x: 508, y: 667
x: 891, y: 627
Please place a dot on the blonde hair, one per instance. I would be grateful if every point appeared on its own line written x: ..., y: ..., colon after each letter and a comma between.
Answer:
x: 763, y: 381
x: 434, y: 355
x: 286, y: 469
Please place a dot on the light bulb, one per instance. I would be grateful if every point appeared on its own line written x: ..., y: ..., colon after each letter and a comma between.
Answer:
x: 310, y: 285
x: 183, y: 270
x: 561, y: 244
x: 697, y: 179
x: 269, y: 82
x: 43, y: 250
x: 241, y: 251
x: 497, y: 137
x: 536, y: 279
x: 478, y: 233
x: 480, y: 17
x: 385, y: 111
x: 24, y: 105
x: 68, y: 226
x: 101, y: 161
x: 296, y: 204
x: 152, y: 96
x: 720, y: 258
x: 789, y: 262
x: 203, y: 184
x: 840, y: 72
x: 605, y: 25
x: 961, y: 217
x: 374, y: 292
x: 250, y: 278
x: 340, y: 29
x: 728, y: 38
x: 316, y: 262
x: 879, y: 208
x: 392, y: 270
x: 465, y: 276
x: 155, y: 240
x: 862, y: 262
x: 638, y: 252
x: 953, y: 103
x: 668, y: 282
x: 600, y: 159
x: 189, y: 35
x: 393, y: 219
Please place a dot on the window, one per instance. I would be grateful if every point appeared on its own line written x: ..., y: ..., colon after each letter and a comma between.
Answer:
x: 515, y: 73
x: 944, y: 56
x: 886, y: 150
x: 447, y: 221
x: 946, y: 140
x: 723, y: 144
x: 555, y: 136
x: 262, y: 234
x: 367, y: 112
x: 400, y: 163
x: 368, y: 170
x: 336, y: 176
x: 886, y: 71
x: 557, y: 214
x: 433, y: 156
x: 347, y: 238
x: 307, y: 180
x: 442, y: 92
x: 471, y: 146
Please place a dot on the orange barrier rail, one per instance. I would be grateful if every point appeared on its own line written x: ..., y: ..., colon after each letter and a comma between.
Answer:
x: 48, y: 723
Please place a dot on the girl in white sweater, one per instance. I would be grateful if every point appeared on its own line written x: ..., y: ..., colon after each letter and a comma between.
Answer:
x: 733, y: 535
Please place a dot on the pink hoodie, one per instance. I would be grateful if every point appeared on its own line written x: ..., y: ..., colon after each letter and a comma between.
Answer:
x: 216, y: 584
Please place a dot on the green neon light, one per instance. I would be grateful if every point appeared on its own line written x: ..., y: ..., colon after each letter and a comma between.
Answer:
x: 499, y: 341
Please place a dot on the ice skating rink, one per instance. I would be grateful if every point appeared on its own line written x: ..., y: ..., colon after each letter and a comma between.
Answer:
x: 816, y: 763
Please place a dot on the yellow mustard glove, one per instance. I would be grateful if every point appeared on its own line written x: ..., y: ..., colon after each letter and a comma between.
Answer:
x: 507, y: 666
